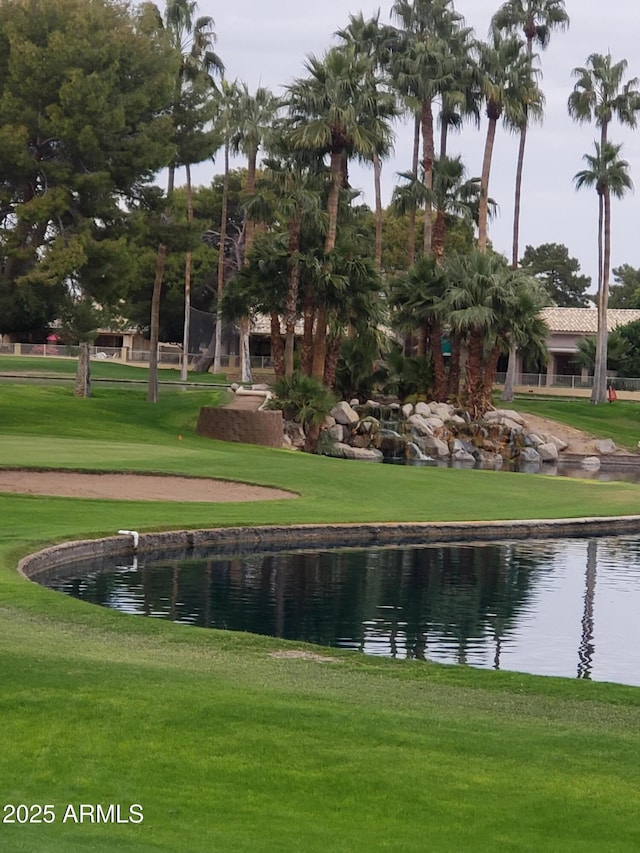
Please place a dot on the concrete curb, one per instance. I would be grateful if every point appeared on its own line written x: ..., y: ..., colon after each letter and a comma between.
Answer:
x: 317, y: 536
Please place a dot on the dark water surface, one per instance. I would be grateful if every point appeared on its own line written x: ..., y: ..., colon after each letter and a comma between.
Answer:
x: 556, y: 607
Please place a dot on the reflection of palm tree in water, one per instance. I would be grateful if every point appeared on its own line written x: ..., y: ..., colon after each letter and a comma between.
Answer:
x: 587, y: 648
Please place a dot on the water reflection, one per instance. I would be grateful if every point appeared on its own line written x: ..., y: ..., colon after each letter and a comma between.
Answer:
x: 528, y: 606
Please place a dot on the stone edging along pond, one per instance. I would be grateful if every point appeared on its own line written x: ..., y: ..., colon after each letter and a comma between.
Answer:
x: 316, y: 536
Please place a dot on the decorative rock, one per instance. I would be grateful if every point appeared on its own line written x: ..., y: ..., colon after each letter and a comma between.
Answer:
x: 338, y: 432
x: 560, y: 443
x: 294, y: 432
x: 344, y: 414
x: 407, y: 411
x: 435, y: 422
x: 605, y: 446
x: 395, y: 407
x: 360, y: 441
x: 234, y: 387
x: 420, y: 425
x: 591, y: 463
x: 533, y: 440
x: 355, y: 402
x: 423, y: 409
x: 529, y: 455
x: 328, y: 422
x: 435, y: 447
x: 442, y: 410
x: 548, y: 452
x: 462, y: 456
x: 457, y: 420
x: 344, y: 451
x: 508, y: 414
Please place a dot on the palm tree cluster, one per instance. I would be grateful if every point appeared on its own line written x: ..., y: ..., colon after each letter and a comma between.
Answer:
x: 306, y: 252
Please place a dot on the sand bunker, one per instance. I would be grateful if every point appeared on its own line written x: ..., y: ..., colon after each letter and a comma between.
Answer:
x: 134, y: 487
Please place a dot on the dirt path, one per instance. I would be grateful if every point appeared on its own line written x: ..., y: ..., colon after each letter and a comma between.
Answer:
x: 578, y: 441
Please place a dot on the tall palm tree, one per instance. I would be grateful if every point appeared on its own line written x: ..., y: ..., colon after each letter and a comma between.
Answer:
x: 423, y: 70
x: 505, y: 80
x: 376, y: 43
x: 599, y: 94
x: 256, y: 116
x: 537, y: 19
x: 334, y: 111
x: 609, y: 175
x: 193, y: 37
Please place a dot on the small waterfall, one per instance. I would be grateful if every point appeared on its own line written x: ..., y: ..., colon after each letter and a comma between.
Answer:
x: 414, y: 452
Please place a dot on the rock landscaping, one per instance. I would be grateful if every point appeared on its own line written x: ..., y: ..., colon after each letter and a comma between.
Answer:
x: 373, y: 432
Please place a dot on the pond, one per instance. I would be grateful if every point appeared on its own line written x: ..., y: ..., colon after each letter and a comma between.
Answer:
x: 555, y: 607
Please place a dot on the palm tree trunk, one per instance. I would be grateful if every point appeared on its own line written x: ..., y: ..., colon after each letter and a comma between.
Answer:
x: 474, y: 386
x: 308, y: 313
x: 510, y: 378
x: 439, y: 232
x: 277, y: 349
x: 152, y: 387
x: 249, y: 232
x: 490, y: 368
x: 483, y: 209
x: 428, y: 156
x: 599, y: 390
x: 333, y: 353
x: 453, y: 380
x: 515, y: 247
x: 320, y: 343
x: 187, y: 284
x: 221, y: 251
x: 439, y: 369
x: 411, y: 220
x: 377, y: 169
x: 291, y: 305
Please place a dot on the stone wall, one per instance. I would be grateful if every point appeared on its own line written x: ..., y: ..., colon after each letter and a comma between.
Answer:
x: 246, y: 427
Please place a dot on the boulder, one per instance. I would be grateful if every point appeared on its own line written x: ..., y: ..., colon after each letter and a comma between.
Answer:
x: 560, y: 443
x: 294, y: 432
x: 420, y: 425
x: 328, y: 422
x: 435, y: 447
x: 532, y: 439
x: 344, y: 451
x: 548, y: 452
x: 338, y: 432
x: 605, y: 446
x: 355, y: 402
x: 462, y: 455
x: 590, y: 463
x: 457, y: 420
x: 423, y: 409
x: 442, y: 410
x: 344, y: 414
x: 508, y: 414
x: 407, y: 410
x: 529, y: 456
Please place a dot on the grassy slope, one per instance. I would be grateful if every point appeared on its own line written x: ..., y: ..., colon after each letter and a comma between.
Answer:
x: 100, y: 369
x: 230, y: 749
x: 620, y: 421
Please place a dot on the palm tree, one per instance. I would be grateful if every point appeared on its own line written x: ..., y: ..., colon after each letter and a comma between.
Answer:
x: 609, y: 175
x: 483, y: 303
x: 376, y: 43
x: 599, y: 94
x: 506, y: 82
x: 537, y: 19
x: 453, y: 195
x: 193, y: 39
x: 423, y: 70
x: 417, y: 298
x: 256, y: 115
x: 335, y: 111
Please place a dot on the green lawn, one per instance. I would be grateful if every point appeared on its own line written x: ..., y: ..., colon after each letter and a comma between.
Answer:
x: 230, y: 749
x: 100, y: 369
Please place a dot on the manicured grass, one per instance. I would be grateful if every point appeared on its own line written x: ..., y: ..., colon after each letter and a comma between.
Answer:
x: 228, y: 748
x: 100, y: 369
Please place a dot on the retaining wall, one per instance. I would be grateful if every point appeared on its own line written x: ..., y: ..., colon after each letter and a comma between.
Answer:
x: 242, y: 426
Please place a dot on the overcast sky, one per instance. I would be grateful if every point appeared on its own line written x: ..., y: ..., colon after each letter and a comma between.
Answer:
x: 266, y: 43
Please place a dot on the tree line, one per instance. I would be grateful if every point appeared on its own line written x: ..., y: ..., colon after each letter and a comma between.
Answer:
x: 96, y: 99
